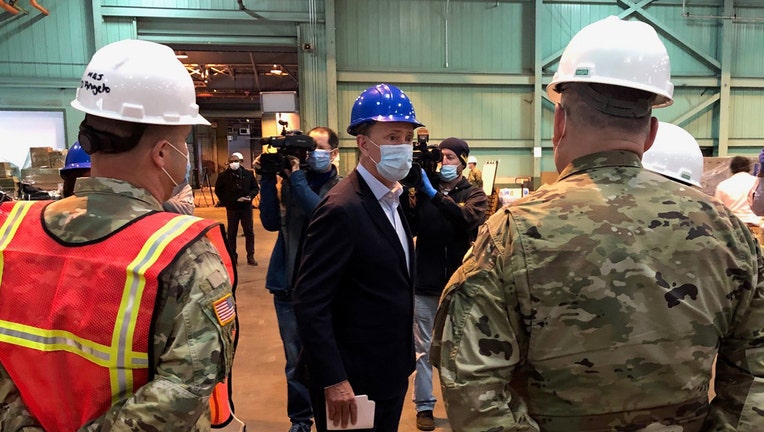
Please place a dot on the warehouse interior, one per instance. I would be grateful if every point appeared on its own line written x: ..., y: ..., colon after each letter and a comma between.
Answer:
x: 474, y: 69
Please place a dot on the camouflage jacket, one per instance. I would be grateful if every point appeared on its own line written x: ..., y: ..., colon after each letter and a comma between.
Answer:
x: 191, y: 351
x: 598, y: 303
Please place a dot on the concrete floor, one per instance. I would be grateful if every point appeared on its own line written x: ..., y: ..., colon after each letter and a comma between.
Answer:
x: 259, y: 384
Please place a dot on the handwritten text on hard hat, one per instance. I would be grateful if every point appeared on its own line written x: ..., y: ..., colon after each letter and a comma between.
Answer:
x: 96, y: 88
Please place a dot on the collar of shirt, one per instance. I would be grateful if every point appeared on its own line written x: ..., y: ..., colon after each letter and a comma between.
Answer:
x: 110, y: 186
x: 377, y: 188
x: 599, y: 160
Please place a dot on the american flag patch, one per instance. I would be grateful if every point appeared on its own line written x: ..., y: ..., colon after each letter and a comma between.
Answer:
x: 225, y: 309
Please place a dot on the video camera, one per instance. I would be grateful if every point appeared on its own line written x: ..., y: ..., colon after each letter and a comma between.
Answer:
x: 289, y: 143
x: 426, y: 157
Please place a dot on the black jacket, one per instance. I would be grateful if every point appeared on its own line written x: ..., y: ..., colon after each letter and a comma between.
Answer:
x: 354, y: 295
x: 444, y: 227
x: 232, y: 185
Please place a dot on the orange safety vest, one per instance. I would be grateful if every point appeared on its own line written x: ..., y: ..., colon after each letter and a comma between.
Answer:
x: 76, y: 319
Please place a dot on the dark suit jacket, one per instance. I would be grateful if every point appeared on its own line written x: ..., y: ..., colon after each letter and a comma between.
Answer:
x: 354, y: 295
x: 232, y: 185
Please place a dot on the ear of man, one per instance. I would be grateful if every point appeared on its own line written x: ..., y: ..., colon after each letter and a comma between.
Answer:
x: 650, y: 139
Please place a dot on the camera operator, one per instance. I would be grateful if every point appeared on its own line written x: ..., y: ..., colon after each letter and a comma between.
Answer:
x: 444, y: 218
x: 301, y: 190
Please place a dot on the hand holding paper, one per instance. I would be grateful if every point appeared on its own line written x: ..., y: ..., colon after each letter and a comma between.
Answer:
x: 365, y: 415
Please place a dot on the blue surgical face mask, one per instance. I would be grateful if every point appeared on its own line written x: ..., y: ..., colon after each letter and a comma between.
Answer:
x: 448, y: 172
x: 319, y: 160
x: 394, y: 160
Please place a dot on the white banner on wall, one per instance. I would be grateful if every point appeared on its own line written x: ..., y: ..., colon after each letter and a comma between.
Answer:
x: 20, y: 130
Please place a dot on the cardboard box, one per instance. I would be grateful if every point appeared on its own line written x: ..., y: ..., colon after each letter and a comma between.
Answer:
x: 57, y: 158
x: 40, y: 156
x: 6, y: 170
x: 44, y: 178
x: 9, y: 185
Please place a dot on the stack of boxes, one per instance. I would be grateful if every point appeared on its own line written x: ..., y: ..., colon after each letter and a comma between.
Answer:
x: 44, y: 172
x: 8, y: 181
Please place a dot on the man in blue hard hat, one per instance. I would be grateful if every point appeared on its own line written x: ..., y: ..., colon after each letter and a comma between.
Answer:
x: 354, y: 286
x: 76, y: 165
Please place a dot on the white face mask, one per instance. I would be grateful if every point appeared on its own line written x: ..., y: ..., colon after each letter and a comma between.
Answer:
x: 188, y: 166
x: 234, y: 165
x: 394, y: 161
x: 448, y: 172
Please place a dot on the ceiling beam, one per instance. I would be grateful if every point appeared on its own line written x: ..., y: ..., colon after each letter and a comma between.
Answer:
x: 203, y: 14
x: 209, y: 40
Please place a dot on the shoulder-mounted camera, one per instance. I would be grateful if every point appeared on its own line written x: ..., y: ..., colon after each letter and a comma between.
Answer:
x: 289, y: 143
x: 426, y: 157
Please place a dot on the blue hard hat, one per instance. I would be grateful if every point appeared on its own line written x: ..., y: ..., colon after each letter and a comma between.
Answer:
x: 76, y: 158
x: 382, y: 103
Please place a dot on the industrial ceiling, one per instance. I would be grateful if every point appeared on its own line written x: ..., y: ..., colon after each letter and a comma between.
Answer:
x: 232, y: 77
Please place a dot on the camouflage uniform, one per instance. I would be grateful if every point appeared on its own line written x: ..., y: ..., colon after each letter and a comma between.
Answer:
x: 191, y: 351
x: 598, y: 303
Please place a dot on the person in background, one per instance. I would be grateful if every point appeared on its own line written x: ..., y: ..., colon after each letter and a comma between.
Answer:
x: 289, y: 213
x: 599, y: 302
x: 444, y: 221
x: 353, y: 293
x: 181, y: 201
x: 756, y: 198
x: 475, y: 176
x: 76, y: 165
x: 675, y: 154
x: 235, y: 188
x: 163, y: 281
x: 735, y: 192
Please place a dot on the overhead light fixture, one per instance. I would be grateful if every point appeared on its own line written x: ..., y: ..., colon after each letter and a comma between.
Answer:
x: 181, y: 55
x: 277, y: 70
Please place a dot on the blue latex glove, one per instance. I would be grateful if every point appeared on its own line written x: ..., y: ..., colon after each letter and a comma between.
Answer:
x: 425, y: 185
x: 758, y: 168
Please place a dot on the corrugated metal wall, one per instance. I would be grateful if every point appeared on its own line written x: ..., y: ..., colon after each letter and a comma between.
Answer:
x: 470, y: 66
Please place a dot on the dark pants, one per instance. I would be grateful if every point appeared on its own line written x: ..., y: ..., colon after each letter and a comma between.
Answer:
x: 236, y: 215
x: 298, y: 399
x: 387, y: 413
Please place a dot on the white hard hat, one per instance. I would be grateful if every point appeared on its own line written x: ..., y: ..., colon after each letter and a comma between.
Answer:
x: 675, y: 154
x: 237, y: 155
x: 138, y: 81
x: 472, y: 159
x: 616, y: 52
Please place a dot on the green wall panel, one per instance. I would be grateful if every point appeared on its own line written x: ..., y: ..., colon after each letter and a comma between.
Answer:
x: 400, y: 35
x: 37, y: 46
x: 117, y: 29
x: 746, y: 106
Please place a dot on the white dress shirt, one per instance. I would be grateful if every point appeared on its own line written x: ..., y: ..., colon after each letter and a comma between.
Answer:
x: 389, y: 199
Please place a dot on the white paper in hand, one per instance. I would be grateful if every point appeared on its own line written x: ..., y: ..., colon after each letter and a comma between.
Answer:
x: 365, y: 415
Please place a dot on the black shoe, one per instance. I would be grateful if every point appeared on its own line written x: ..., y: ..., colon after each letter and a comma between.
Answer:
x: 425, y: 421
x: 251, y: 260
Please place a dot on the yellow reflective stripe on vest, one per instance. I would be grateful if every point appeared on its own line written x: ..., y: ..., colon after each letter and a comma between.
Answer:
x: 119, y: 357
x: 122, y: 338
x: 54, y: 340
x: 11, y: 224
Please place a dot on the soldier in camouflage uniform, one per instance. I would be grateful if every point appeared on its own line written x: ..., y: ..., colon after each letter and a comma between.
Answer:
x: 598, y: 303
x: 189, y: 319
